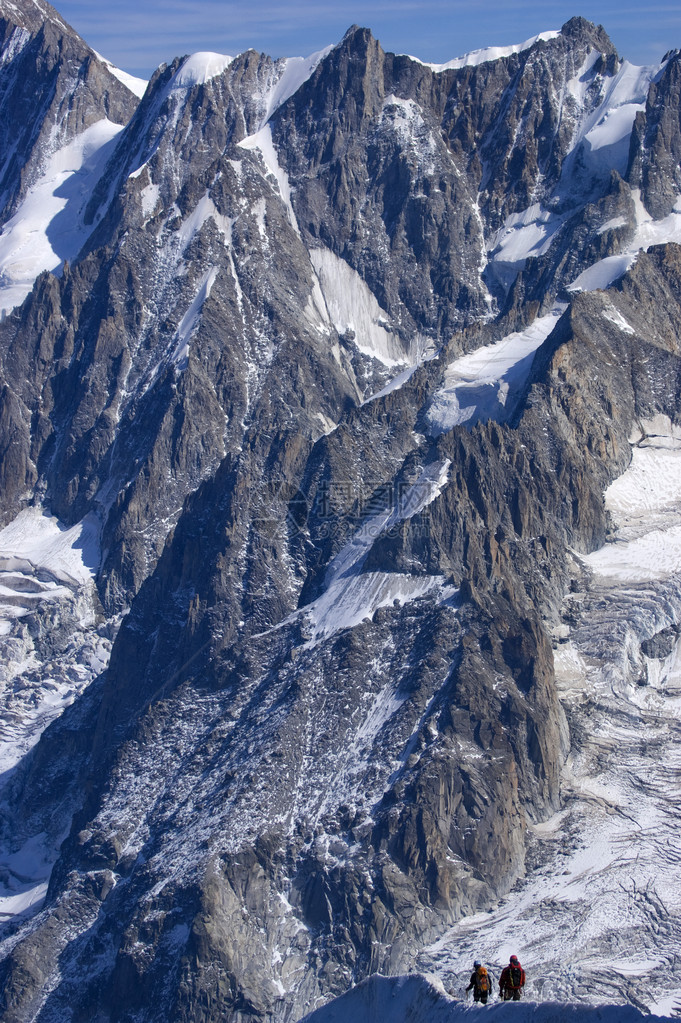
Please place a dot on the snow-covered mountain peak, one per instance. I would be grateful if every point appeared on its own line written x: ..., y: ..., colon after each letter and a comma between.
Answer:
x: 198, y: 69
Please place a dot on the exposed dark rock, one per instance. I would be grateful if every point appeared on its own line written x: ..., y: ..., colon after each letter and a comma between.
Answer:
x: 656, y: 143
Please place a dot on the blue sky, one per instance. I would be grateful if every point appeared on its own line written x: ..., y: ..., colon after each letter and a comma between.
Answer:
x: 138, y: 35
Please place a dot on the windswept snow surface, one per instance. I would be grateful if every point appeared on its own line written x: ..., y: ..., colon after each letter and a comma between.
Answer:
x: 598, y: 917
x: 476, y: 57
x: 422, y: 999
x: 50, y: 650
x: 487, y: 383
x: 48, y: 227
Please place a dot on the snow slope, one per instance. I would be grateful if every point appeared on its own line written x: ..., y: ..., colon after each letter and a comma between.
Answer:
x: 137, y: 86
x: 353, y: 307
x: 48, y: 228
x: 422, y: 999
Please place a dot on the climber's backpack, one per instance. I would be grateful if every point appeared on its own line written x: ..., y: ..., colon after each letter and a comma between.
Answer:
x: 483, y: 979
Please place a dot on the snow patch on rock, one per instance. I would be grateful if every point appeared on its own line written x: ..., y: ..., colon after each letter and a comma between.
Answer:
x: 262, y: 142
x: 602, y: 136
x: 48, y: 227
x: 50, y: 651
x: 600, y: 143
x: 648, y: 232
x: 350, y: 596
x: 487, y: 383
x: 191, y: 319
x: 354, y: 310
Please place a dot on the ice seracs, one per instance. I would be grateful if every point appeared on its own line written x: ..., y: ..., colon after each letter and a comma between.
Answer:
x: 46, y: 586
x: 644, y: 503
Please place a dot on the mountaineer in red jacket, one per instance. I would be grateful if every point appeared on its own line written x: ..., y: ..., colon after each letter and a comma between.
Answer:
x: 511, y: 981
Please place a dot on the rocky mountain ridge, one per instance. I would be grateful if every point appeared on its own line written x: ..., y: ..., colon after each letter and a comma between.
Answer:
x: 329, y: 547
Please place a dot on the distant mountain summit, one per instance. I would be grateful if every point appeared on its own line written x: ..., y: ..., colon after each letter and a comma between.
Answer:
x: 60, y: 108
x: 339, y: 578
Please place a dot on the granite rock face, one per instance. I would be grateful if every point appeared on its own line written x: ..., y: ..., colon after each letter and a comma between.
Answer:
x: 656, y: 143
x: 330, y: 712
